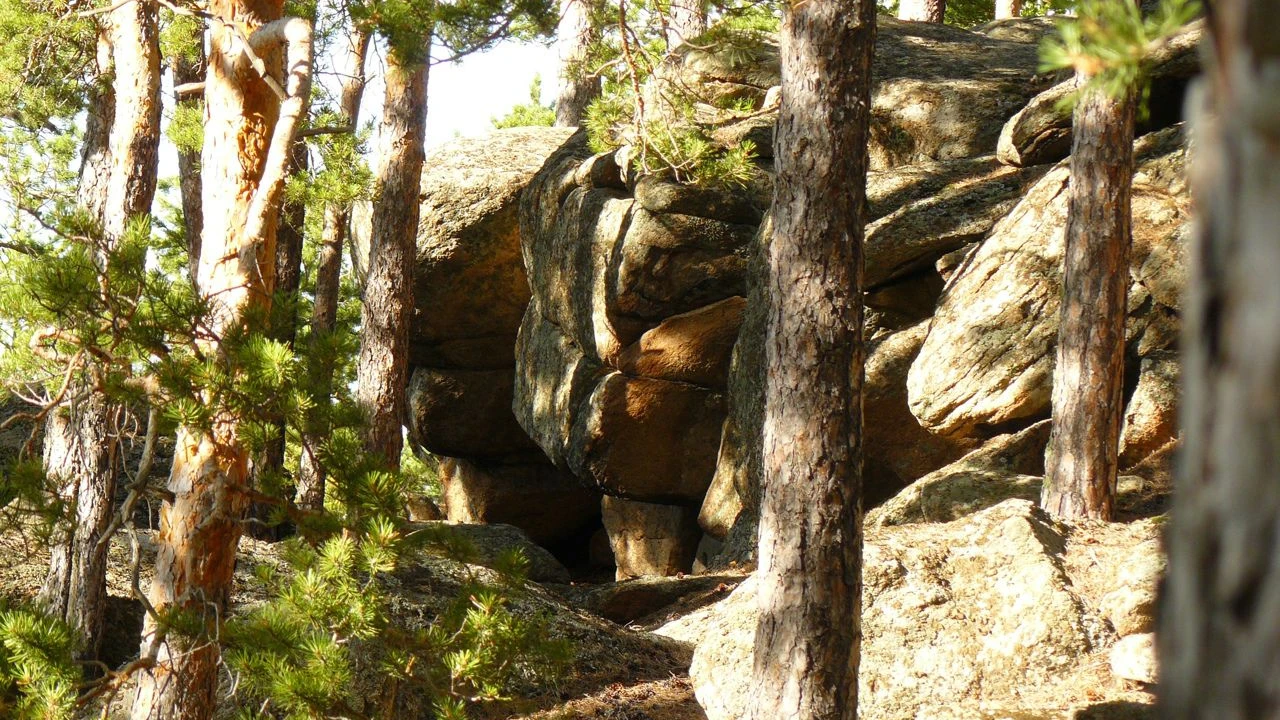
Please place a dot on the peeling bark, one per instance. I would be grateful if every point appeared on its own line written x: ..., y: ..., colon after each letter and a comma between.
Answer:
x: 249, y: 132
x: 810, y: 566
x: 118, y: 183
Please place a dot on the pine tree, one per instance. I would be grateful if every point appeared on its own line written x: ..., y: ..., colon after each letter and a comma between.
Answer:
x: 810, y: 574
x: 1107, y: 45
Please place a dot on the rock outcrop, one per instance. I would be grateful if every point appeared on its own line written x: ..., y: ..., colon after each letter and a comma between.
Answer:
x: 987, y: 362
x: 637, y: 368
x: 988, y: 616
x: 1041, y: 132
x: 470, y: 292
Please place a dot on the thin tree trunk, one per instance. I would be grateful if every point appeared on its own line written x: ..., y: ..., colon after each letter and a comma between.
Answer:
x: 382, y: 371
x: 81, y: 440
x: 578, y: 86
x: 1008, y: 9
x: 1088, y: 378
x: 687, y: 20
x: 1220, y: 610
x: 932, y: 11
x: 289, y: 240
x: 249, y: 133
x: 324, y: 317
x: 808, y: 637
x: 80, y: 456
x: 186, y: 71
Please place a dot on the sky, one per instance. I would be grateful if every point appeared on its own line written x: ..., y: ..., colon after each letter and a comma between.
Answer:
x: 462, y: 97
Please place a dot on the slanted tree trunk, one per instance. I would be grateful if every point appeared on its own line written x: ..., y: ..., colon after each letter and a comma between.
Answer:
x: 382, y: 371
x: 324, y: 317
x: 932, y: 11
x: 578, y: 86
x: 810, y: 560
x: 686, y: 21
x: 1088, y: 379
x: 1220, y: 610
x: 249, y: 133
x: 81, y: 439
x: 1008, y: 9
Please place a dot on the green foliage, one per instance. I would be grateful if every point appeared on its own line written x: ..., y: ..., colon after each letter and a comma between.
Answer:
x: 38, y: 676
x: 186, y: 127
x: 1111, y: 42
x: 46, y: 54
x: 530, y: 114
x: 666, y: 126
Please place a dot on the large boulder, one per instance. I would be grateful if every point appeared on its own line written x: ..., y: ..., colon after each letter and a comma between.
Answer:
x: 470, y: 292
x: 1005, y: 467
x: 534, y: 495
x: 989, y: 616
x: 987, y: 362
x: 920, y: 212
x: 939, y: 92
x: 650, y: 539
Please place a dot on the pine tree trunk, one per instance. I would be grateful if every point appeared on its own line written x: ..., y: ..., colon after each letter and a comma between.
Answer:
x: 1088, y: 378
x: 808, y: 637
x: 577, y: 86
x: 1220, y: 610
x: 1008, y: 9
x: 118, y: 185
x: 382, y: 371
x: 932, y: 11
x: 80, y: 456
x: 184, y: 72
x: 324, y: 317
x: 248, y: 136
x: 289, y: 240
x: 688, y: 20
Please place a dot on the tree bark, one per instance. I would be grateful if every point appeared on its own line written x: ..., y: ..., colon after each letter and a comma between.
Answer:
x: 81, y: 440
x: 686, y: 21
x: 1220, y: 608
x: 932, y: 11
x: 382, y: 371
x: 324, y: 317
x: 578, y: 87
x: 1088, y: 378
x: 289, y: 239
x: 249, y: 132
x: 1008, y: 9
x: 80, y: 457
x: 184, y: 72
x: 808, y: 637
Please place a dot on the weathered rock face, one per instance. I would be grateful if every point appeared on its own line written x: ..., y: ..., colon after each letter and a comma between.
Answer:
x: 1005, y: 467
x: 940, y: 93
x: 987, y: 362
x: 1041, y: 132
x: 623, y: 353
x: 539, y: 498
x: 470, y: 292
x: 984, y: 615
x: 650, y: 539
